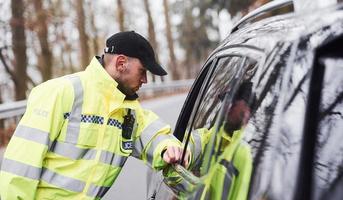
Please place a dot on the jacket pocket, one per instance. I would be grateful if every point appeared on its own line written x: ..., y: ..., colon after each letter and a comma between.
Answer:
x: 82, y: 134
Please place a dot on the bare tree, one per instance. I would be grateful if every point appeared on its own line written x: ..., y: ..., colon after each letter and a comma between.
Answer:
x: 151, y: 32
x: 2, y: 124
x: 60, y: 15
x: 172, y: 59
x: 83, y: 37
x: 93, y: 27
x: 41, y: 27
x: 17, y: 23
x: 120, y: 16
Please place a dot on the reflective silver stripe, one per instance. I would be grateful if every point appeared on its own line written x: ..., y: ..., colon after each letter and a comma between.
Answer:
x: 20, y: 169
x: 97, y: 191
x: 148, y: 133
x: 154, y: 143
x: 173, y: 179
x: 199, y: 193
x: 71, y: 151
x: 32, y: 134
x: 197, y: 144
x: 112, y: 159
x: 73, y: 128
x: 183, y: 186
x: 61, y: 181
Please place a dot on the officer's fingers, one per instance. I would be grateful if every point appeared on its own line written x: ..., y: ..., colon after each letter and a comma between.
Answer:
x: 166, y: 157
x: 169, y: 155
x: 178, y: 153
x: 186, y: 159
x: 173, y: 154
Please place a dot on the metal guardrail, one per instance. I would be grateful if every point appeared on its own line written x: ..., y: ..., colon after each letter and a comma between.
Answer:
x: 17, y: 108
x: 12, y: 109
x: 174, y: 85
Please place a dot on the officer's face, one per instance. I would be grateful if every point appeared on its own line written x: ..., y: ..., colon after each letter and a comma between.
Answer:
x: 238, y: 115
x: 134, y: 75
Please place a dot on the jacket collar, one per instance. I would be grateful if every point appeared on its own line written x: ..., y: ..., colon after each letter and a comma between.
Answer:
x: 100, y: 76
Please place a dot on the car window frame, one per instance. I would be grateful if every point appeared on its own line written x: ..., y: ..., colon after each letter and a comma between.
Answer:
x: 221, y: 53
x: 199, y: 101
x: 197, y: 93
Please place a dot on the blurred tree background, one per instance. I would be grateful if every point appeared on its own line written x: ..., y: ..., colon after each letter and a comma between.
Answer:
x: 41, y: 40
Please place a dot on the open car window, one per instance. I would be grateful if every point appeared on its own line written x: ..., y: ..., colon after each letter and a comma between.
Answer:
x: 207, y: 111
x: 208, y: 105
x: 223, y: 84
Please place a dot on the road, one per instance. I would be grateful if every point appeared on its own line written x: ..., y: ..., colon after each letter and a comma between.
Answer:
x: 131, y: 184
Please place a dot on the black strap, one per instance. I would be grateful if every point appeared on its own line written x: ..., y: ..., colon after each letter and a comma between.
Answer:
x: 127, y: 127
x: 230, y: 167
x: 229, y: 164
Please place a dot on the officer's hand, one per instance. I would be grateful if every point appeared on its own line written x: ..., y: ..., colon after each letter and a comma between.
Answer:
x: 174, y: 155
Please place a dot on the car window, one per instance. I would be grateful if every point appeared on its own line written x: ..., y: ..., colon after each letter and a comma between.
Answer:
x: 328, y: 159
x: 208, y: 103
x: 192, y: 99
x: 224, y: 73
x: 222, y: 84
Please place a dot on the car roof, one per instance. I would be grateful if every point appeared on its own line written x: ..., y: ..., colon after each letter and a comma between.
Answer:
x: 282, y: 28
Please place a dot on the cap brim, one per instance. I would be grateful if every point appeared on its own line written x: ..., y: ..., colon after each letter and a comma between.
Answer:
x: 155, y: 68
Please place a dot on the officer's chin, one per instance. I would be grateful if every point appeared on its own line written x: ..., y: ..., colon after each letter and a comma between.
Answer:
x: 230, y: 127
x: 128, y: 91
x: 131, y: 92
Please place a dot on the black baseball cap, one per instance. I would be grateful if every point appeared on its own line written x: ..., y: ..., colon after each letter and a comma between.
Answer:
x: 134, y: 45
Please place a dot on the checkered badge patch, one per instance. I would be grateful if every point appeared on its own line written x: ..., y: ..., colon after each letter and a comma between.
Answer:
x: 92, y: 119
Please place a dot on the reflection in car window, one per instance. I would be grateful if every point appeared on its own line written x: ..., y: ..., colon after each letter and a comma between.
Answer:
x: 219, y: 84
x: 328, y: 163
x: 204, y: 114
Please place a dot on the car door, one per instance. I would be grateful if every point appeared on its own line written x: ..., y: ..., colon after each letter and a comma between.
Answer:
x: 325, y: 166
x: 296, y: 127
x: 228, y: 68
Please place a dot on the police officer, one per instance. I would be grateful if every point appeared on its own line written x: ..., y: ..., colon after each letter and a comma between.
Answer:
x: 78, y: 130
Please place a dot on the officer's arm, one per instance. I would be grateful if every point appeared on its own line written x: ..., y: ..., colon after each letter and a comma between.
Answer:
x: 153, y: 137
x: 198, y: 140
x: 23, y: 160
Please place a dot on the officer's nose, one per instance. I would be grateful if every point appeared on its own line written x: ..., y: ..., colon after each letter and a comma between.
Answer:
x: 144, y: 78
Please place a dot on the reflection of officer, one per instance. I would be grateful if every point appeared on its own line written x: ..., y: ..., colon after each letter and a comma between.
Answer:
x: 229, y: 176
x: 239, y: 113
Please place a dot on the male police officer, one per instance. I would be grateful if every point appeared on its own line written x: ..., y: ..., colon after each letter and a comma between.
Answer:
x: 78, y: 130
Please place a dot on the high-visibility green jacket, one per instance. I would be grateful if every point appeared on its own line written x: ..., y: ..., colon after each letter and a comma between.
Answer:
x: 228, y: 177
x: 69, y: 143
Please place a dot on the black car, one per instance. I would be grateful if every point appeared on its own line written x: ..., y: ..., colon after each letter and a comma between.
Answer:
x: 294, y: 63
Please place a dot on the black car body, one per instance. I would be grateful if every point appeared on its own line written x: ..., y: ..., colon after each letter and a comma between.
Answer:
x: 295, y: 64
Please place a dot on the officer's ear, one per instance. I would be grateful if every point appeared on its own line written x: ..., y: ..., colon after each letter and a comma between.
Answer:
x: 121, y: 63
